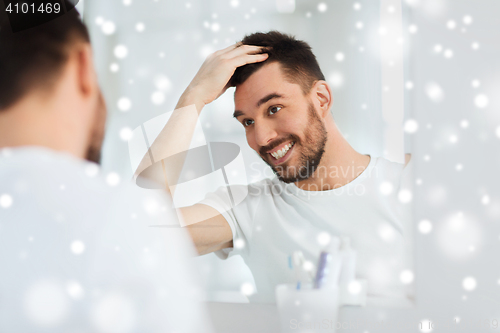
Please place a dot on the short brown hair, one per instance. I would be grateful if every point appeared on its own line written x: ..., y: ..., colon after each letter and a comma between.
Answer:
x: 34, y: 57
x: 297, y: 61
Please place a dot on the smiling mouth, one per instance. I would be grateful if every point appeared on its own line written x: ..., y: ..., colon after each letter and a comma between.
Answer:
x: 279, y: 156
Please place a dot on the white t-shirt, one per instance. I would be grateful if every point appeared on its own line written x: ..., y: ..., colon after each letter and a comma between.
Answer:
x: 78, y: 252
x: 275, y: 219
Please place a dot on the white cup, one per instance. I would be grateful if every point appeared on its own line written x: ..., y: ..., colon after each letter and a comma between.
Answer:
x: 307, y: 310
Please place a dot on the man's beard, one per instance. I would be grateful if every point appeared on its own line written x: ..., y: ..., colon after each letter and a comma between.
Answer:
x: 311, y: 151
x: 97, y: 132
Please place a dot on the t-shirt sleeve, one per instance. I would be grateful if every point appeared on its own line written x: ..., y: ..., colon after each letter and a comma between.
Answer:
x: 237, y: 204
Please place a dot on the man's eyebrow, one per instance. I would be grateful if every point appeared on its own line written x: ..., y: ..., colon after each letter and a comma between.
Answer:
x: 238, y: 113
x: 268, y: 98
x: 263, y: 100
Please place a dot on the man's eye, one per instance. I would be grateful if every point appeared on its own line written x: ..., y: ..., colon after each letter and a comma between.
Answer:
x: 247, y: 122
x: 274, y: 109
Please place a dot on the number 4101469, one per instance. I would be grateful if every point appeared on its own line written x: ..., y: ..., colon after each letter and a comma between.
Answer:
x: 26, y: 8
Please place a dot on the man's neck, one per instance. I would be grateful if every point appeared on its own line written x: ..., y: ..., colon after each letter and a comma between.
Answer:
x: 339, y: 165
x: 34, y: 122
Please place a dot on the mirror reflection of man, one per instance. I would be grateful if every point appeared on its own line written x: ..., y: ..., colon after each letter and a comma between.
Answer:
x: 76, y: 248
x: 322, y: 184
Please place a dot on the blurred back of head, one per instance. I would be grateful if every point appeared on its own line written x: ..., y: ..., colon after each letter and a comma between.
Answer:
x: 33, y: 58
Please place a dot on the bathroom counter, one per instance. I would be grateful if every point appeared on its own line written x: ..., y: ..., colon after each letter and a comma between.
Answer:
x: 264, y: 318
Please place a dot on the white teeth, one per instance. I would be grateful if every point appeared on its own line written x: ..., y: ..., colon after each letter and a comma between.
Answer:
x: 280, y: 153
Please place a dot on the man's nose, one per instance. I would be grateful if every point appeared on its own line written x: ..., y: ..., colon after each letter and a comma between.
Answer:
x: 264, y: 134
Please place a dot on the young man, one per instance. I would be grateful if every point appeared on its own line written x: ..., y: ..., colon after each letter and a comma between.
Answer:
x: 323, y: 186
x: 76, y: 248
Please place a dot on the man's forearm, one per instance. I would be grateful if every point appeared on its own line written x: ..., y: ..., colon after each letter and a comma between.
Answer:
x: 175, y: 138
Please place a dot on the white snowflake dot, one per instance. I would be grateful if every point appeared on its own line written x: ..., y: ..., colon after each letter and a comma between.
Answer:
x: 426, y: 325
x: 239, y: 243
x: 91, y: 170
x: 163, y: 83
x: 451, y: 24
x: 140, y: 27
x: 411, y: 126
x: 126, y: 134
x: 448, y: 53
x: 459, y: 167
x: 467, y: 19
x: 434, y: 92
x: 438, y: 48
x: 405, y: 196
x: 114, y: 67
x: 323, y: 238
x: 469, y: 283
x: 247, y: 289
x: 308, y: 266
x: 336, y: 79
x: 485, y: 200
x: 475, y: 83
x: 481, y: 101
x: 41, y: 311
x: 215, y: 27
x: 322, y: 7
x: 113, y: 179
x: 475, y: 46
x: 74, y: 289
x: 120, y: 51
x: 357, y: 6
x: 386, y: 232
x: 406, y: 276
x: 386, y: 188
x: 339, y: 57
x: 77, y: 247
x: 425, y: 226
x: 108, y: 28
x: 124, y: 104
x: 99, y: 20
x: 354, y: 287
x: 6, y: 200
x: 158, y: 97
x: 413, y: 29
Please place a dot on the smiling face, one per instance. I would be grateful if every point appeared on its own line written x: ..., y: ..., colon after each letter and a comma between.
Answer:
x: 281, y: 123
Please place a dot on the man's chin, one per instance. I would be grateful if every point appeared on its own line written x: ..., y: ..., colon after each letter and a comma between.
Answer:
x: 287, y: 176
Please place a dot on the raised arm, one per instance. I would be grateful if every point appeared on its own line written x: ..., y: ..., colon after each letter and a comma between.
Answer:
x: 209, y: 229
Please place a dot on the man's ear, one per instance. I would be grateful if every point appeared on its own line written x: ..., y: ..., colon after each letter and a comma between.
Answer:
x: 322, y: 96
x: 86, y: 76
